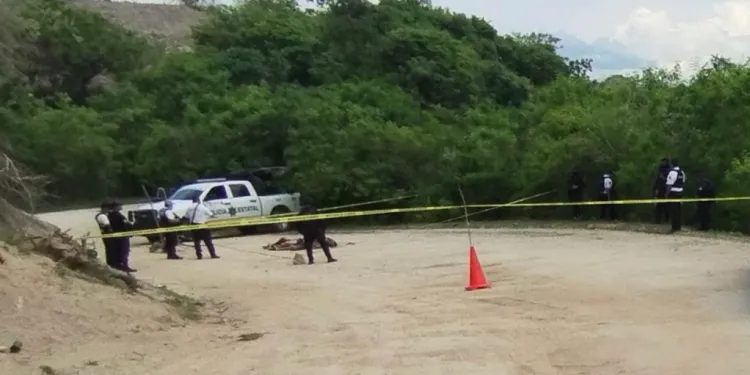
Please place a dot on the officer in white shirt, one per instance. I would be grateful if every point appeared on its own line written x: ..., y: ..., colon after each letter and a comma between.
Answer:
x: 167, y: 218
x: 105, y: 228
x: 198, y: 213
x: 607, y: 193
x: 674, y: 187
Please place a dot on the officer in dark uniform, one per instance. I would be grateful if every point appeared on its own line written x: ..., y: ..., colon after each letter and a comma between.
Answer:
x: 706, y: 189
x: 607, y: 193
x: 105, y: 228
x: 576, y: 186
x: 311, y: 231
x: 660, y: 192
x: 674, y: 187
x: 167, y: 218
x: 120, y: 224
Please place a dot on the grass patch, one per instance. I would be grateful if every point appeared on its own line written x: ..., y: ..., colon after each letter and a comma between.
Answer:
x: 186, y: 307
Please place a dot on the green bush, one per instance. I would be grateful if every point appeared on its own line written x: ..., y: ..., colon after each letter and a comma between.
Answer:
x: 363, y: 102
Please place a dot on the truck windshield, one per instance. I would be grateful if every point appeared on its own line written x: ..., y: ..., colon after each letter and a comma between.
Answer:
x: 186, y: 194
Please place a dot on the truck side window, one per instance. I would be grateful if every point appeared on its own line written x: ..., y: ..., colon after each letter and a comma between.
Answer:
x: 216, y: 193
x: 239, y: 190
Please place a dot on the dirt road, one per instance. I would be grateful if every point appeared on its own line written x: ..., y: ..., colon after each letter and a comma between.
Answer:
x: 563, y: 302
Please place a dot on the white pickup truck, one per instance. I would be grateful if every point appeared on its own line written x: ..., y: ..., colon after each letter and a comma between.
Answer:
x: 228, y: 199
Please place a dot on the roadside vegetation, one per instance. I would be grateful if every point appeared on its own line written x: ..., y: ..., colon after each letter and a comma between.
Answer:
x: 362, y: 101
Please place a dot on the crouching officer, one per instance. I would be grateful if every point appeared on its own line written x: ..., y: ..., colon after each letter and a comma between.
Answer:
x: 674, y: 187
x: 167, y: 218
x: 607, y: 193
x: 198, y: 213
x: 703, y: 212
x: 120, y: 224
x: 311, y: 231
x: 105, y: 228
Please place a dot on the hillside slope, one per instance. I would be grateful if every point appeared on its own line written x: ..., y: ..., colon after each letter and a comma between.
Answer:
x: 164, y: 22
x: 63, y: 320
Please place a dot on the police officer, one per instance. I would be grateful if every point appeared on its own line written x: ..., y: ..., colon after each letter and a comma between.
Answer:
x: 120, y: 224
x: 311, y: 231
x: 105, y: 228
x: 703, y: 211
x: 607, y: 193
x: 167, y: 218
x: 674, y: 187
x: 660, y: 192
x: 576, y: 186
x: 198, y: 213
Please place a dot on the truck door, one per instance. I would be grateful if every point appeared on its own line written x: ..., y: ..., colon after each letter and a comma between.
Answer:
x: 218, y: 201
x: 244, y: 204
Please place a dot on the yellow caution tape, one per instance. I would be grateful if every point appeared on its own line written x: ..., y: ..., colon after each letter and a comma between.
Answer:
x: 339, y: 215
x: 260, y: 219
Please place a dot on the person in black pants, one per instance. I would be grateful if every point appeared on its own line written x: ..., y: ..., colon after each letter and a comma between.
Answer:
x: 199, y: 214
x: 660, y: 185
x: 105, y: 228
x: 606, y: 194
x: 311, y: 231
x: 576, y: 186
x: 167, y: 218
x: 120, y: 224
x: 703, y: 212
x: 674, y: 187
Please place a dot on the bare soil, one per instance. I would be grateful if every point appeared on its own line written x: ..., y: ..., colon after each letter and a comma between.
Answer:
x: 563, y: 302
x: 169, y: 22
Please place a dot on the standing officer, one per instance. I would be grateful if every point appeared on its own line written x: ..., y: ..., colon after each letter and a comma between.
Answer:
x: 120, y: 224
x: 105, y: 228
x: 703, y: 212
x: 674, y: 187
x: 607, y: 193
x: 311, y: 231
x: 167, y: 218
x: 576, y: 185
x: 660, y: 192
x: 198, y: 213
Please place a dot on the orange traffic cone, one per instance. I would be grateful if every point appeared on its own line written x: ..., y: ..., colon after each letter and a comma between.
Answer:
x: 476, y: 275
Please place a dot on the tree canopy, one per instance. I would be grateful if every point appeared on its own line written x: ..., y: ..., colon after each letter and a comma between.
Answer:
x: 362, y: 101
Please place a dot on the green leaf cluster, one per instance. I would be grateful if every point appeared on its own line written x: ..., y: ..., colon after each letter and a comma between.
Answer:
x: 363, y: 101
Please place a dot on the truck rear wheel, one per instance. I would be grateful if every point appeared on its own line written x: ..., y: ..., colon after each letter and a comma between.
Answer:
x: 280, y: 227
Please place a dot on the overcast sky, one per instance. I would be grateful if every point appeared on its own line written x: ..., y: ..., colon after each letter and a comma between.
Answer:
x: 661, y: 31
x: 666, y: 31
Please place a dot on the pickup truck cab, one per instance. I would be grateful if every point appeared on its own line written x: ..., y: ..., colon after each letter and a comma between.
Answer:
x: 228, y: 199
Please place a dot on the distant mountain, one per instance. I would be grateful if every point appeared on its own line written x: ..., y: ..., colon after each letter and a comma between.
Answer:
x: 609, y: 57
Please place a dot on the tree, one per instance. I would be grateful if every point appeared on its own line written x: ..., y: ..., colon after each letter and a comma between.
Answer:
x: 361, y: 100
